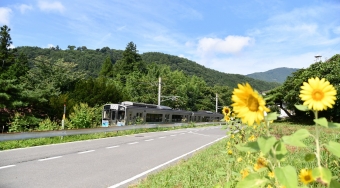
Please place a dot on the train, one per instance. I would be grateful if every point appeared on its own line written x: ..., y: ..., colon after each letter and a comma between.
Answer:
x: 133, y: 113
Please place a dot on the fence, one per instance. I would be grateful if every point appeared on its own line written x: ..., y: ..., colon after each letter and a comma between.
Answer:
x: 43, y: 134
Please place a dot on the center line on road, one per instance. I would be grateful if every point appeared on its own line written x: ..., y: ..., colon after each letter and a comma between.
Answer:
x: 182, y: 133
x: 88, y: 151
x: 162, y: 137
x: 8, y: 166
x: 173, y: 135
x: 133, y: 143
x: 111, y: 147
x: 148, y: 140
x: 50, y: 158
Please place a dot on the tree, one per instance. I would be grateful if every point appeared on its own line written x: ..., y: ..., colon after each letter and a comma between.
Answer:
x: 130, y: 62
x: 95, y: 91
x: 289, y: 92
x: 47, y: 79
x: 107, y: 68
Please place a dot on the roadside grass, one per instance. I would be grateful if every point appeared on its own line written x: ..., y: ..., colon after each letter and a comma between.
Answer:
x: 13, y: 144
x: 213, y: 167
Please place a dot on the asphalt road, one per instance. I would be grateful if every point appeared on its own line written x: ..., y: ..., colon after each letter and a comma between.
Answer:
x: 110, y: 162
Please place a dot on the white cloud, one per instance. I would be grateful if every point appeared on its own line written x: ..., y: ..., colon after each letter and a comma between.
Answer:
x: 51, y: 6
x: 50, y: 45
x: 4, y: 15
x: 11, y: 46
x: 229, y: 45
x: 24, y: 7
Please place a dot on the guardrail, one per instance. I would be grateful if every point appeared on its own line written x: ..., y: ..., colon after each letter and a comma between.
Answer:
x: 44, y: 134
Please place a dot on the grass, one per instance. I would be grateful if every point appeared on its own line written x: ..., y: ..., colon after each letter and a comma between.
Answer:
x: 214, y: 167
x: 6, y: 145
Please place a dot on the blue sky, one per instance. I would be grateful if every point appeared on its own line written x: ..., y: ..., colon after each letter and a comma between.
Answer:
x: 234, y: 36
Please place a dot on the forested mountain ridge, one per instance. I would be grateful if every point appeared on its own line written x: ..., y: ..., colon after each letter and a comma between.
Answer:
x: 275, y: 75
x: 92, y: 60
x: 212, y: 77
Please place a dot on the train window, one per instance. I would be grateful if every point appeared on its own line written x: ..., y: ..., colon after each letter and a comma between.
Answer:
x: 106, y: 114
x: 121, y: 115
x: 154, y: 117
x: 113, y: 114
x: 176, y: 118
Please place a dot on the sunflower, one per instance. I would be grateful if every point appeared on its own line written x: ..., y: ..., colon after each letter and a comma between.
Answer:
x: 239, y: 159
x: 248, y: 104
x: 244, y: 173
x: 226, y: 111
x: 260, y: 163
x: 318, y: 94
x: 306, y: 176
x: 227, y: 118
x: 230, y: 152
x: 252, y: 138
x: 271, y: 174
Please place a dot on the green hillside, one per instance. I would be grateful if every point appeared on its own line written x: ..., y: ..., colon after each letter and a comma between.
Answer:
x: 212, y: 77
x: 91, y: 61
x: 275, y: 75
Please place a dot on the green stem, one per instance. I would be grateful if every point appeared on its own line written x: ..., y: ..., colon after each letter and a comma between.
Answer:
x: 317, y: 143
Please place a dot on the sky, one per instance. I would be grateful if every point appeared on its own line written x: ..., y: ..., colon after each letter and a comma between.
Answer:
x: 234, y: 36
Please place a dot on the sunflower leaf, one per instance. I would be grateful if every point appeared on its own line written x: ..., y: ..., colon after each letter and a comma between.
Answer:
x: 334, y: 148
x: 302, y: 107
x: 266, y: 144
x: 321, y: 121
x: 301, y: 134
x: 249, y: 146
x: 292, y: 141
x: 252, y: 181
x: 309, y: 157
x: 271, y: 116
x: 322, y: 175
x: 333, y: 125
x: 286, y: 176
x: 280, y: 151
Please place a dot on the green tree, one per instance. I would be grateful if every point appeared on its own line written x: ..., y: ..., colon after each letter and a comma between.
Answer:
x: 95, y: 91
x: 107, y: 68
x: 289, y: 92
x: 130, y: 62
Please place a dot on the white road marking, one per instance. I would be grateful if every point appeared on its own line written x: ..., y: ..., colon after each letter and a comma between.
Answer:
x: 182, y: 133
x: 161, y: 165
x: 173, y: 135
x: 162, y: 137
x: 88, y: 151
x: 148, y: 140
x: 112, y: 147
x: 8, y: 166
x: 133, y: 143
x: 199, y: 134
x: 50, y: 158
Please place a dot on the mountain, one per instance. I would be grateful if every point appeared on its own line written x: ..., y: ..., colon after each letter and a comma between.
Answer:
x: 211, y: 77
x: 275, y: 75
x: 92, y: 60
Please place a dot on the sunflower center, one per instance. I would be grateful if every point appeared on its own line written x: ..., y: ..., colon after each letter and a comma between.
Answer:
x: 317, y: 95
x: 253, y: 104
x: 308, y: 178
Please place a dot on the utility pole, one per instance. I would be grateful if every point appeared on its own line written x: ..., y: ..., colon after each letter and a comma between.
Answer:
x: 216, y: 102
x: 159, y: 90
x: 63, y: 120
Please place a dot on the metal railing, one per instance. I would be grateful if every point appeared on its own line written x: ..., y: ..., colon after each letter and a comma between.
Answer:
x: 44, y: 134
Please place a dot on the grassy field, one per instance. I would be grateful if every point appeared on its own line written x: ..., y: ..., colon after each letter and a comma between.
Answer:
x: 214, y: 166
